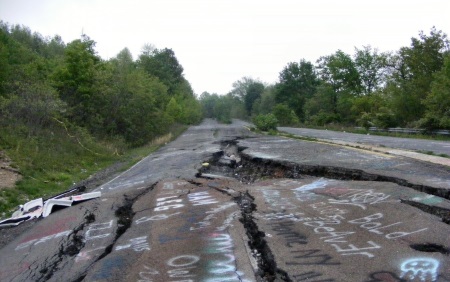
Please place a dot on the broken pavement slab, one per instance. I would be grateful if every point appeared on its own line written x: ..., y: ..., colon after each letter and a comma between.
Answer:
x: 321, y: 228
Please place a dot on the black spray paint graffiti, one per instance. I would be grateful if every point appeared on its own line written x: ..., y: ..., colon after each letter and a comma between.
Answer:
x: 285, y: 230
x: 308, y: 276
x: 312, y: 257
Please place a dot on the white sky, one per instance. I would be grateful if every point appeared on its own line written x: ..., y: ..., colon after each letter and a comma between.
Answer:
x: 219, y: 41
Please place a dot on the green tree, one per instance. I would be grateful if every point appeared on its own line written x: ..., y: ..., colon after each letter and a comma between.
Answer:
x: 246, y: 91
x: 208, y: 102
x: 371, y: 67
x: 164, y: 65
x: 253, y: 93
x: 297, y: 83
x: 413, y: 73
x: 339, y: 72
x: 222, y: 109
x: 321, y: 108
x: 34, y: 104
x: 75, y: 80
x: 437, y: 114
x: 173, y: 110
x: 267, y: 102
x: 191, y: 111
x: 240, y: 87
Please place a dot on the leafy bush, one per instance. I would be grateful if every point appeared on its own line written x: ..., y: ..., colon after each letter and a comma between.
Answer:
x: 384, y: 119
x: 266, y: 122
x: 323, y: 118
x: 285, y: 115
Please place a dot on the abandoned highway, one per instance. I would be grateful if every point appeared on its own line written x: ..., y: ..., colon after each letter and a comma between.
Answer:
x: 221, y: 203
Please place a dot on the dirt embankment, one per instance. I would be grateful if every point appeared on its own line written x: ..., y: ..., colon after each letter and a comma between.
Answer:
x: 8, y: 175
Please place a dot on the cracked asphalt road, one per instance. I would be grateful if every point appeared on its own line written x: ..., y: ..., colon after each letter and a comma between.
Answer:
x: 264, y: 209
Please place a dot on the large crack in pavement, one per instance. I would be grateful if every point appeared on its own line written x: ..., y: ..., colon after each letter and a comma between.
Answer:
x: 267, y: 267
x: 267, y: 270
x: 75, y: 242
x: 232, y: 161
x: 69, y: 247
x: 124, y: 215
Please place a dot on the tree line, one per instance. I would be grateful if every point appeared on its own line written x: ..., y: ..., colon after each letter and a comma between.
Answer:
x: 409, y: 87
x: 48, y: 84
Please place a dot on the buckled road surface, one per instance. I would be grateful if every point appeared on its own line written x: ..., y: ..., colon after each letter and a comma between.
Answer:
x: 221, y: 203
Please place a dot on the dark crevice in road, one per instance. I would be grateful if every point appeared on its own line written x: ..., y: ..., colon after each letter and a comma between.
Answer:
x: 267, y: 267
x: 77, y: 241
x: 431, y: 248
x: 231, y: 161
x: 71, y: 247
x: 47, y: 271
x: 256, y: 168
x: 124, y: 214
x: 438, y: 211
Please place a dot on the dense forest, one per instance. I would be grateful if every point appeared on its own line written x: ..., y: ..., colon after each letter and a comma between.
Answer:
x: 48, y: 84
x: 409, y: 88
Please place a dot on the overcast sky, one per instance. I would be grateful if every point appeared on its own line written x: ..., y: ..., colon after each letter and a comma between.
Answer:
x: 219, y: 41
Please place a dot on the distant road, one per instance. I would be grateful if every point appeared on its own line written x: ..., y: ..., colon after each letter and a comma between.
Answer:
x: 437, y: 147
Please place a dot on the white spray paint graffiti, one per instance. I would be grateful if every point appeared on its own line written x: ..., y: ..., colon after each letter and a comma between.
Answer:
x: 421, y: 268
x: 303, y: 193
x: 223, y: 269
x: 84, y: 255
x: 321, y: 183
x: 228, y: 221
x: 166, y: 203
x: 360, y: 198
x: 144, y: 275
x: 369, y: 222
x: 96, y: 231
x: 43, y: 239
x: 274, y: 199
x: 181, y: 265
x: 201, y: 198
x: 183, y: 261
x: 137, y: 244
x: 155, y: 217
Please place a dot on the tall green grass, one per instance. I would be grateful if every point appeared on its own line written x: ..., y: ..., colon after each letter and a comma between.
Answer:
x: 51, y: 161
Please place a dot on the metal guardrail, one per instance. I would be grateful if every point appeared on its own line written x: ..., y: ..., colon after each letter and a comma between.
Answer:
x: 408, y: 130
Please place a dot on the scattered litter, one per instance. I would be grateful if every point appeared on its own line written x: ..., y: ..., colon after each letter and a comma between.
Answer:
x: 38, y: 207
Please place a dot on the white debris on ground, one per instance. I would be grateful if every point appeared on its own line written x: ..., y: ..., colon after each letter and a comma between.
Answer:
x: 38, y: 207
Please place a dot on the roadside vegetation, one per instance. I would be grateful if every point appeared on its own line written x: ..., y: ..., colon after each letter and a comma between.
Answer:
x: 409, y: 87
x: 65, y: 113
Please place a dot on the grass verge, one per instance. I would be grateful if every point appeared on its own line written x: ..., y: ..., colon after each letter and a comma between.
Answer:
x: 51, y: 161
